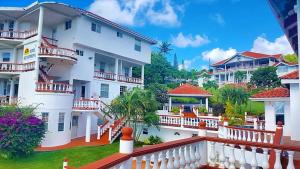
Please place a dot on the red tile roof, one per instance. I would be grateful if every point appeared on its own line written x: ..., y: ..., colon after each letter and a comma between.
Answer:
x: 273, y: 93
x: 187, y: 89
x: 291, y: 75
x: 253, y: 55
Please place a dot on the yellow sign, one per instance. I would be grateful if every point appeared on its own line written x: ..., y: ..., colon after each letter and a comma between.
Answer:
x: 26, y: 51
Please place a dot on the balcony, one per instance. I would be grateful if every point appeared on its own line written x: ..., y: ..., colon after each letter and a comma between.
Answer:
x: 15, y: 68
x: 17, y: 34
x: 104, y: 75
x: 86, y: 104
x: 54, y: 87
x: 128, y: 79
x: 51, y: 50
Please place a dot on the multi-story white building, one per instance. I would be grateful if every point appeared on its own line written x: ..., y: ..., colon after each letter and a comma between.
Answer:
x: 247, y: 62
x: 63, y: 59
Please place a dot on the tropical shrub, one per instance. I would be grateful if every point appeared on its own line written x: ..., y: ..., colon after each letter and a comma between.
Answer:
x: 154, y: 140
x: 218, y: 109
x: 202, y: 109
x: 20, y: 133
x: 265, y: 78
x: 175, y: 110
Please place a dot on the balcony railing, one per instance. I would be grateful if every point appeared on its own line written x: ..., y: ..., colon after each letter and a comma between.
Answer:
x: 63, y: 53
x: 16, y: 67
x: 53, y: 87
x: 127, y: 79
x: 6, y: 100
x: 17, y: 34
x: 86, y: 104
x: 104, y: 75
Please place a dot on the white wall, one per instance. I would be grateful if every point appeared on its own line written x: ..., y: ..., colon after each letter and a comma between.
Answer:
x: 295, y: 109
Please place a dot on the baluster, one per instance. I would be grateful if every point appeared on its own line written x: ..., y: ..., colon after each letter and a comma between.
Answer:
x: 291, y: 160
x: 231, y: 157
x: 222, y: 156
x: 253, y: 161
x: 155, y: 161
x: 240, y: 135
x: 181, y: 158
x: 197, y: 155
x: 170, y: 159
x: 272, y: 138
x: 176, y: 158
x: 244, y: 135
x: 212, y: 155
x: 243, y: 158
x: 192, y: 155
x: 253, y: 136
x: 163, y: 160
x: 265, y: 138
x: 231, y: 133
x: 187, y: 157
x: 265, y: 164
x: 259, y: 137
x: 248, y: 136
x: 138, y: 162
x: 277, y: 164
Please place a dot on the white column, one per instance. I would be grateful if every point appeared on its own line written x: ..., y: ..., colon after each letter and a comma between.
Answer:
x: 170, y: 104
x: 130, y: 71
x: 116, y: 68
x: 88, y: 127
x: 121, y: 68
x: 219, y: 78
x: 206, y: 103
x: 39, y: 40
x: 15, y: 55
x: 142, y: 73
x: 11, y: 91
x: 298, y: 27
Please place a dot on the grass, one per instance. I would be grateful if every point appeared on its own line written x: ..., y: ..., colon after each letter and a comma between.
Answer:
x: 78, y: 156
x: 256, y: 108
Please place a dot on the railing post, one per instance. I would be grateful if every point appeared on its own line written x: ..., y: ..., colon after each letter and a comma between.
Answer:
x: 110, y: 134
x: 65, y: 163
x: 98, y: 132
x: 126, y: 145
x: 203, y: 147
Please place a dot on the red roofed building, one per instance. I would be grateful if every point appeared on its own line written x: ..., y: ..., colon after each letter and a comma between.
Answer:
x: 188, y: 90
x: 248, y: 62
x: 276, y: 93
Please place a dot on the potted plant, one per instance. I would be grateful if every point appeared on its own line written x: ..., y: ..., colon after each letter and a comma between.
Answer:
x: 202, y: 110
x: 175, y: 110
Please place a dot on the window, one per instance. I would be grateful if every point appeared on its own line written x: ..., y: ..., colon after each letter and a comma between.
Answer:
x: 79, y: 52
x: 123, y: 89
x: 45, y: 118
x: 145, y: 131
x: 68, y: 24
x: 6, y: 57
x: 61, y: 121
x: 137, y: 45
x: 279, y: 112
x: 126, y: 71
x: 95, y: 27
x: 119, y: 34
x: 102, y: 66
x: 104, y: 90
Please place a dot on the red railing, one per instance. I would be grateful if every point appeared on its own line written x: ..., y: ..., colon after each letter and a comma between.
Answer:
x: 127, y: 79
x: 102, y: 129
x: 18, y: 34
x: 16, y: 67
x: 86, y: 104
x: 53, y: 87
x: 104, y: 75
x: 115, y: 129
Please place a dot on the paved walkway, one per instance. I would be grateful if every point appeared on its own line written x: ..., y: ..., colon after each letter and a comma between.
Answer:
x: 79, y: 142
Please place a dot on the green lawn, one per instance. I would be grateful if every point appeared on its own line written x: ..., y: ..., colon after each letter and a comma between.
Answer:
x: 78, y: 156
x: 254, y: 107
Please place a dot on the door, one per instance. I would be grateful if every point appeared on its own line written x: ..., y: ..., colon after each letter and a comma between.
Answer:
x: 74, y: 126
x: 82, y: 92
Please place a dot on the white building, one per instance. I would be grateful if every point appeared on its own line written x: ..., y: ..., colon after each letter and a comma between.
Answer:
x: 63, y: 59
x: 247, y: 62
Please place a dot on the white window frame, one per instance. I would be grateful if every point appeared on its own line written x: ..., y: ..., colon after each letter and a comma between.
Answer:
x: 61, y: 121
x: 138, y: 45
x: 103, y: 92
x: 97, y: 27
x: 45, y: 119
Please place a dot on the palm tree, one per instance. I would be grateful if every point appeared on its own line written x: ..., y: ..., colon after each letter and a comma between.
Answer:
x: 137, y: 105
x: 240, y: 76
x: 235, y: 95
x: 164, y: 48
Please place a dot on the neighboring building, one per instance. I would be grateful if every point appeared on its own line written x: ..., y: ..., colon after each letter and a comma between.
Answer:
x: 203, y: 77
x: 63, y: 59
x: 247, y: 62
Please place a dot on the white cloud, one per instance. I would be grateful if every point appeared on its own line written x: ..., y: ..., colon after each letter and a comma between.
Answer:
x: 218, y: 18
x: 183, y: 41
x: 137, y: 12
x: 186, y: 65
x: 218, y: 54
x: 279, y: 46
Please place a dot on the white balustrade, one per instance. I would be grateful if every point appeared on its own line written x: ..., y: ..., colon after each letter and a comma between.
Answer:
x: 104, y: 75
x: 15, y: 67
x: 57, y: 52
x: 87, y: 104
x: 17, y: 34
x: 102, y: 129
x: 128, y: 79
x: 54, y: 87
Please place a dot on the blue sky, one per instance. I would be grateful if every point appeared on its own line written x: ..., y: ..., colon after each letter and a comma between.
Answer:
x: 198, y: 29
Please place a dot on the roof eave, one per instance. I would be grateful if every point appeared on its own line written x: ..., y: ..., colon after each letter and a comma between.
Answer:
x: 191, y: 95
x: 271, y: 99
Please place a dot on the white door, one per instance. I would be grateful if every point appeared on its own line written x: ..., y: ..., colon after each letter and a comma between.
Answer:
x: 74, y: 126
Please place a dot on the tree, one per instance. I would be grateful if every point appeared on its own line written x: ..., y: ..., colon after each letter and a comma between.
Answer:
x: 265, y: 78
x: 240, y: 76
x: 164, y: 48
x: 158, y: 70
x: 137, y: 105
x: 291, y: 58
x: 210, y: 84
x: 235, y: 95
x: 175, y: 62
x: 160, y: 91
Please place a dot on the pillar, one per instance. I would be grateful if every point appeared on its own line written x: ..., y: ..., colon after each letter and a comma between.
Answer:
x: 121, y: 68
x: 219, y: 78
x: 130, y: 71
x: 116, y: 68
x: 206, y: 103
x: 203, y: 132
x: 142, y: 73
x: 126, y: 141
x: 170, y: 104
x: 88, y: 127
x: 15, y: 53
x: 11, y: 91
x: 65, y: 163
x: 39, y: 40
